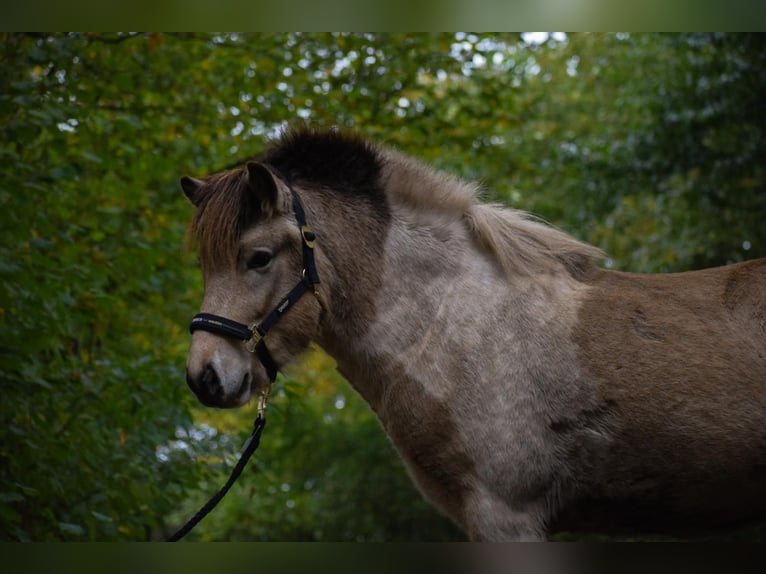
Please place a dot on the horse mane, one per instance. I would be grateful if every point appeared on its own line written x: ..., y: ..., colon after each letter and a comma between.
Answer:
x: 522, y: 243
x: 330, y: 159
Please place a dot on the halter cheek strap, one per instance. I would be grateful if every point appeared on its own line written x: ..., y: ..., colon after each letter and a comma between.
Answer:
x: 253, y: 336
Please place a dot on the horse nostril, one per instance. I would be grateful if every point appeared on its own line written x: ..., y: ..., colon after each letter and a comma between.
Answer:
x: 210, y: 379
x: 207, y: 386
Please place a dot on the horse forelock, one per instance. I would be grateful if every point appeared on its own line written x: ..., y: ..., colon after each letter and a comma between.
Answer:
x: 223, y: 212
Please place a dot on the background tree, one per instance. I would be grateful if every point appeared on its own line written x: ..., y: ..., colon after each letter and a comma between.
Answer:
x: 651, y: 146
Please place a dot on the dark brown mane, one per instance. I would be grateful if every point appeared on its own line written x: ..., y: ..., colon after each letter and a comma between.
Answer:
x: 330, y: 158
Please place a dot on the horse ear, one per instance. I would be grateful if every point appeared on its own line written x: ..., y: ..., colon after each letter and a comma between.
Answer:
x: 267, y: 188
x: 191, y: 186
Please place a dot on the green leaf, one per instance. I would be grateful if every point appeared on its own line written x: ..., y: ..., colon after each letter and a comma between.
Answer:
x: 73, y: 529
x: 10, y: 497
x: 101, y: 517
x: 90, y: 156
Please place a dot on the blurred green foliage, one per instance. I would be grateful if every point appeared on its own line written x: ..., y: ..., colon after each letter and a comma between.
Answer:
x: 651, y: 146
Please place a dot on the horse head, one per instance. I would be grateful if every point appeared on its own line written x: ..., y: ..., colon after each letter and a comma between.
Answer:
x: 256, y: 254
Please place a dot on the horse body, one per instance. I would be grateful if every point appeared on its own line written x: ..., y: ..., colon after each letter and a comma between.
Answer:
x: 525, y: 389
x: 680, y: 360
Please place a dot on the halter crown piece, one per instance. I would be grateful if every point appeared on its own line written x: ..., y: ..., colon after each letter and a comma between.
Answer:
x: 253, y: 336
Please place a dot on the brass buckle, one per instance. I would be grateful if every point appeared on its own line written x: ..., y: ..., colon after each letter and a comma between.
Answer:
x: 262, y: 400
x: 253, y: 341
x: 305, y: 234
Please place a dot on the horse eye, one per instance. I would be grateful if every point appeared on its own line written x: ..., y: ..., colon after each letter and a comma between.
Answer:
x: 259, y: 260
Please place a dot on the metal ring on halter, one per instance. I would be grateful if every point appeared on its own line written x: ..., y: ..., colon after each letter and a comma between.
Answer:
x: 253, y: 341
x: 314, y: 286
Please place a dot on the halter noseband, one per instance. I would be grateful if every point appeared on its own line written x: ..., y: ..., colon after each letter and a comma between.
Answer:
x: 253, y: 336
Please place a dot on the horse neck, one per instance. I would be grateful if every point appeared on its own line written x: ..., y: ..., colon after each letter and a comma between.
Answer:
x: 394, y: 282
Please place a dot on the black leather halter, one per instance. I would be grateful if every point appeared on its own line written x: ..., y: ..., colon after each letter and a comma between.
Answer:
x: 253, y: 336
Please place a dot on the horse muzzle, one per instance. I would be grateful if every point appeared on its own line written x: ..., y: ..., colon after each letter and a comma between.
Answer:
x: 209, y: 388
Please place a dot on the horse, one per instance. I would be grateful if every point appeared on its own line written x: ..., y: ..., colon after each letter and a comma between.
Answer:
x: 528, y: 390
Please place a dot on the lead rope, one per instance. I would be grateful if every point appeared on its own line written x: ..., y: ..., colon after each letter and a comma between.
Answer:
x: 250, y: 447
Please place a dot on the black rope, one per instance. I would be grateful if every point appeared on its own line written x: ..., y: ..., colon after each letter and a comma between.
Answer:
x: 250, y: 448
